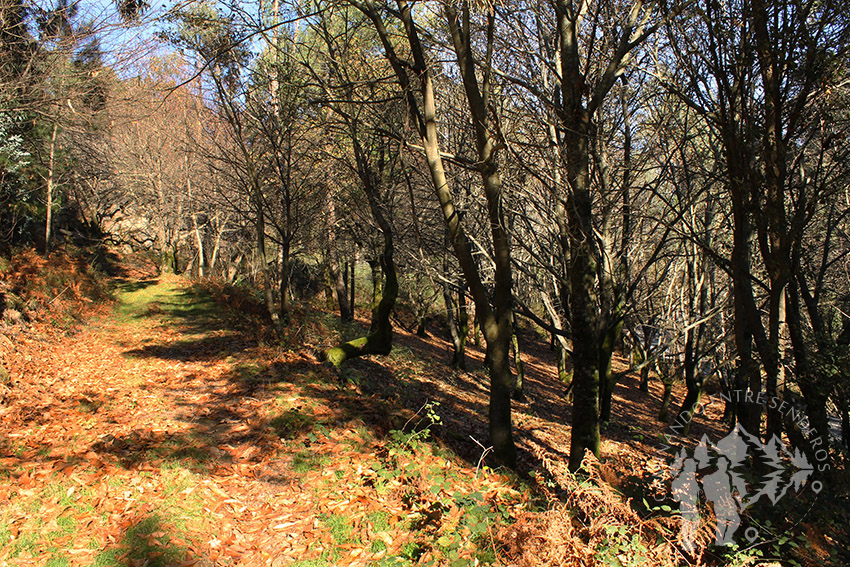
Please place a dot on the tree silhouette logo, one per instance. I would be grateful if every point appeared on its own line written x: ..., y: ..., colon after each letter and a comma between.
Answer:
x: 718, y: 471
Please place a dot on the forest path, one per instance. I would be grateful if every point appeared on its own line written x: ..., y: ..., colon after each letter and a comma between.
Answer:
x: 164, y: 433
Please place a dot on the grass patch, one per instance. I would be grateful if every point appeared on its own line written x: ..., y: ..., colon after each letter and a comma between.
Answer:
x: 145, y: 542
x: 310, y: 563
x: 27, y: 542
x: 291, y: 422
x: 135, y: 299
x: 380, y: 521
x: 306, y: 461
x: 341, y: 530
x: 108, y: 558
x: 247, y: 372
x: 57, y: 561
x: 182, y: 506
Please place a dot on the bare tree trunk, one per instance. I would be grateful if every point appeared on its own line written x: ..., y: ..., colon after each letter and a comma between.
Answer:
x: 693, y: 383
x: 607, y: 378
x: 748, y: 377
x: 663, y: 414
x: 644, y: 379
x: 232, y: 269
x: 217, y: 245
x: 519, y: 384
x: 377, y: 285
x: 264, y: 268
x: 337, y: 279
x: 615, y: 272
x: 565, y: 376
x: 48, y: 228
x: 283, y: 278
x: 351, y: 287
x: 814, y: 388
x: 457, y: 319
x: 199, y: 240
x: 494, y: 310
x: 380, y: 337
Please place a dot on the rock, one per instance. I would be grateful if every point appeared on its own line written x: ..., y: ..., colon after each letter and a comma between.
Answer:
x: 12, y: 316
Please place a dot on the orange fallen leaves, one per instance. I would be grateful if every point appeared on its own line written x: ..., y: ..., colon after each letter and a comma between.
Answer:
x: 174, y: 450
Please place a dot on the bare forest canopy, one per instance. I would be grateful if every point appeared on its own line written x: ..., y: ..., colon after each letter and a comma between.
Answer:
x: 665, y: 179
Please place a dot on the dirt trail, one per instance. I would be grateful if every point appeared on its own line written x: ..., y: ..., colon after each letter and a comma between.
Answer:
x: 164, y: 433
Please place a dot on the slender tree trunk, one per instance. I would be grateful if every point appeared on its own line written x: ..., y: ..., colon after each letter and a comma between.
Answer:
x: 667, y: 380
x: 563, y: 375
x: 283, y: 278
x: 639, y: 356
x: 48, y: 227
x: 693, y: 382
x: 233, y: 268
x: 462, y: 324
x: 458, y: 358
x: 377, y: 287
x: 166, y: 263
x: 607, y: 378
x: 337, y: 279
x: 199, y: 240
x: 644, y: 379
x: 519, y: 384
x: 615, y: 270
x: 379, y: 339
x: 351, y: 287
x: 264, y: 268
x: 216, y: 246
x: 775, y: 371
x: 748, y: 377
x: 812, y: 386
x: 345, y: 271
x: 663, y: 414
x: 458, y: 317
x: 328, y: 281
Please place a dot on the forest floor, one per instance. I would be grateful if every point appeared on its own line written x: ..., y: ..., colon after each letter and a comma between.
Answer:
x: 165, y: 432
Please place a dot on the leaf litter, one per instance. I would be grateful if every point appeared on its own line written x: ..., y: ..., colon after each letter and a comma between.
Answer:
x: 166, y: 436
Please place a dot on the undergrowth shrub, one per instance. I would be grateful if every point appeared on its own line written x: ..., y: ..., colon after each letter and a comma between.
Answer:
x: 60, y: 287
x: 453, y: 517
x: 236, y: 297
x: 594, y: 527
